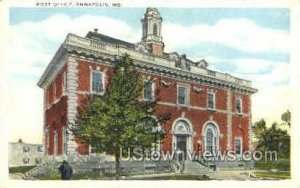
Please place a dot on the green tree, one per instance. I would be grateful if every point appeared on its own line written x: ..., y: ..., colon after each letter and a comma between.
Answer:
x: 286, y: 118
x: 118, y: 119
x: 273, y: 138
x: 259, y: 129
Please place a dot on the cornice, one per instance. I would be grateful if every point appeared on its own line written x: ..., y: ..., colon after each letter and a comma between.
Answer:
x: 53, y: 67
x: 162, y: 71
x: 103, y: 52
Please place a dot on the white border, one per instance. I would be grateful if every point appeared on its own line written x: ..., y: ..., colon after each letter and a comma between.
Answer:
x: 293, y: 5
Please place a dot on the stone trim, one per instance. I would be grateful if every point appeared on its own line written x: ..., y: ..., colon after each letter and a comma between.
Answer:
x: 72, y: 85
x: 229, y: 120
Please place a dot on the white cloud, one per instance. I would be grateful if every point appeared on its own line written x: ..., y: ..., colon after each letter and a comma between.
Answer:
x: 29, y: 56
x: 241, y: 34
x: 271, y: 78
x: 30, y: 41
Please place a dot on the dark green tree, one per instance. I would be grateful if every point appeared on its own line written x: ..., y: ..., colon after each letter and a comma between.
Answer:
x: 286, y: 118
x: 119, y: 119
x: 272, y: 138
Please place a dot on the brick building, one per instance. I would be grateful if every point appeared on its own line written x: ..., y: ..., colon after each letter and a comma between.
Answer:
x: 209, y: 110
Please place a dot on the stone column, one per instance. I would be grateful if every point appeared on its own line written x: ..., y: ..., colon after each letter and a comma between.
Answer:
x: 72, y: 85
x: 229, y: 119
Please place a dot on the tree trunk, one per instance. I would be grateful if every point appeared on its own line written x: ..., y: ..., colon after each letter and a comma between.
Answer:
x: 117, y: 158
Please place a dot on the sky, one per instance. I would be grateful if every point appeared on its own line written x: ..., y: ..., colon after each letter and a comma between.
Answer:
x: 253, y: 44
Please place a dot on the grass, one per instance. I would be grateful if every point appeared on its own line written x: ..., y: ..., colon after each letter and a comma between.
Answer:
x: 52, y: 176
x: 176, y: 177
x: 274, y: 175
x: 20, y: 169
x: 281, y: 165
x: 81, y: 176
x: 97, y: 176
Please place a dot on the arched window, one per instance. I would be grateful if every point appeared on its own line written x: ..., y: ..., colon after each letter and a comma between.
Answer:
x: 211, y: 137
x: 155, y: 29
x: 209, y: 140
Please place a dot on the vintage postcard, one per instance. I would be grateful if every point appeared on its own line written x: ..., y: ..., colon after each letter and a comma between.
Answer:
x: 104, y: 93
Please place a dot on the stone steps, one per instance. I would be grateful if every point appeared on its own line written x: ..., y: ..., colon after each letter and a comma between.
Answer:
x: 194, y: 167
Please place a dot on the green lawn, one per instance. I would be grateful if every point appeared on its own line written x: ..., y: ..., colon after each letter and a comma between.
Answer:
x: 174, y: 177
x: 281, y: 165
x: 276, y: 175
x: 20, y: 169
x: 85, y: 176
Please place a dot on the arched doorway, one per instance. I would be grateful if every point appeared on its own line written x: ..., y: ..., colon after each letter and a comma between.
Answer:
x: 211, y: 134
x: 182, y: 137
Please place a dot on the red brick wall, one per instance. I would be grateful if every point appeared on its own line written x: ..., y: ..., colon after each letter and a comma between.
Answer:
x: 49, y: 91
x: 55, y: 113
x: 198, y: 117
x: 56, y: 118
x: 157, y: 49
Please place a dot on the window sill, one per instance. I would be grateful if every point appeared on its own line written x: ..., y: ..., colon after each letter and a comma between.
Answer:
x: 182, y: 105
x: 212, y: 109
x: 148, y: 100
x: 98, y: 94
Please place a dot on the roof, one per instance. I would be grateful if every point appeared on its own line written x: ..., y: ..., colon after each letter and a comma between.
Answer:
x: 108, y: 39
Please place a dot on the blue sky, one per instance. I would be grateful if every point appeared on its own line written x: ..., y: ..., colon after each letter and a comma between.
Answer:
x: 248, y: 43
x: 274, y: 18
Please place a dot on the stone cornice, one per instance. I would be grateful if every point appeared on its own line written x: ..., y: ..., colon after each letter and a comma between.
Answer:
x: 97, y: 50
x: 53, y: 67
x: 173, y: 73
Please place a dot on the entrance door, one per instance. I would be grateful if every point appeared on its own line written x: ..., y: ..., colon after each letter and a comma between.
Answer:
x: 181, y: 146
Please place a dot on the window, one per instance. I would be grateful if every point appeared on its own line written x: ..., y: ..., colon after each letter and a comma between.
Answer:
x: 26, y: 149
x: 209, y: 140
x: 148, y: 90
x: 182, y: 95
x: 65, y: 140
x: 97, y: 82
x: 211, y: 101
x: 238, y: 146
x: 26, y: 161
x: 40, y: 149
x: 94, y: 148
x: 155, y: 29
x: 55, y: 143
x: 54, y: 90
x: 38, y: 160
x: 64, y: 86
x: 239, y: 106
